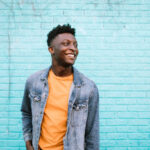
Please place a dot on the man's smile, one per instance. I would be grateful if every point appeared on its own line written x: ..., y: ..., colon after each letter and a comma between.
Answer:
x: 71, y: 55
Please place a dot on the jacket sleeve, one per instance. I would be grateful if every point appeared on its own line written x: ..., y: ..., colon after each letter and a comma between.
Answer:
x: 26, y: 114
x: 92, y: 125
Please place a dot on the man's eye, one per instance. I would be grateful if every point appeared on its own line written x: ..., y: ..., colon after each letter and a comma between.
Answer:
x: 76, y: 45
x: 66, y: 43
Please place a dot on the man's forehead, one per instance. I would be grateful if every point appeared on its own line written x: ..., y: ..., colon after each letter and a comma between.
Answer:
x: 63, y: 36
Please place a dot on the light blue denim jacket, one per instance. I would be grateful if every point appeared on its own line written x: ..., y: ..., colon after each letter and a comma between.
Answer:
x: 83, y: 111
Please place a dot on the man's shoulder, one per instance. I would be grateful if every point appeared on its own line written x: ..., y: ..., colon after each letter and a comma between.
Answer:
x: 36, y: 75
x: 86, y: 80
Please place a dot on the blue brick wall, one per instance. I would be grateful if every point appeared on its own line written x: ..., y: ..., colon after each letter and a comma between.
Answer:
x: 114, y: 44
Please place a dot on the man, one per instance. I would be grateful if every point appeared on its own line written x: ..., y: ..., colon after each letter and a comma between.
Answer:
x: 60, y: 105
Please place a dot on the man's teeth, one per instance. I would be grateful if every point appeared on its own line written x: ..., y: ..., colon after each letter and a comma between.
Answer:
x: 70, y: 55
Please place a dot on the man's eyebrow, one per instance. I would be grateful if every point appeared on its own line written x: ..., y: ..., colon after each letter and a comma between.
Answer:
x: 70, y: 40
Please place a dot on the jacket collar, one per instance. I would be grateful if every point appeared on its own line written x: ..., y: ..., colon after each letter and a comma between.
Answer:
x: 44, y: 74
x: 77, y: 76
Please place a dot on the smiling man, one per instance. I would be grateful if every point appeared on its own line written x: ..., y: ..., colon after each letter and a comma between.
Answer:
x: 60, y: 107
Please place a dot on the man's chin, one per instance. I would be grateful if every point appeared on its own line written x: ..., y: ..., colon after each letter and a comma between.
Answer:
x: 69, y: 64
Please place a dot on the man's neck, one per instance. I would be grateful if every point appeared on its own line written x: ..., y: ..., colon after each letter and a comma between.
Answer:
x: 62, y: 71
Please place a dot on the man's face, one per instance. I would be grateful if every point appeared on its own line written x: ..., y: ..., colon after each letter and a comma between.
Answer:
x: 64, y: 49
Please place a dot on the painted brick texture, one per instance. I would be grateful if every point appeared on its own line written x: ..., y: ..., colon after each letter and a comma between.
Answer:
x: 114, y: 51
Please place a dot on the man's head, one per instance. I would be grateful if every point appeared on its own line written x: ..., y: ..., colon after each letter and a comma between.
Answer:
x: 62, y: 45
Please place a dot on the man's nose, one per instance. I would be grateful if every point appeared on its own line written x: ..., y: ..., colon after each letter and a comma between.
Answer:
x: 72, y: 47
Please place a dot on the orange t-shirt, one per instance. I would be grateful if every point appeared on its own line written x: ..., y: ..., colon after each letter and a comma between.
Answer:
x: 54, y: 124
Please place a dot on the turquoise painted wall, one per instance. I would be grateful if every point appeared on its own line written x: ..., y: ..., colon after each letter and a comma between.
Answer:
x: 114, y: 44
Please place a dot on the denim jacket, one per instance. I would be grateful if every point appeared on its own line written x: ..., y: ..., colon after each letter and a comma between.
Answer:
x: 83, y: 111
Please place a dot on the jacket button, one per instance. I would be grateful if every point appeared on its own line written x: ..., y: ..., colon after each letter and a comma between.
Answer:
x: 77, y: 108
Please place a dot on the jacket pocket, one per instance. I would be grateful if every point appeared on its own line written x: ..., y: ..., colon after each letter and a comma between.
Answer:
x: 79, y: 114
x: 34, y: 97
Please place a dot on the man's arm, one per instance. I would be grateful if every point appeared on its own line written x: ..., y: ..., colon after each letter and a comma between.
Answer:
x: 92, y: 125
x: 27, y: 118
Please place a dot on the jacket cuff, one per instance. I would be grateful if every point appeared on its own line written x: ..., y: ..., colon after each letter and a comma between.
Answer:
x: 28, y: 137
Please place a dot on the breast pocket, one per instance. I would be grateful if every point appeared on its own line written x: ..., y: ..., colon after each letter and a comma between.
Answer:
x: 79, y: 114
x: 34, y: 97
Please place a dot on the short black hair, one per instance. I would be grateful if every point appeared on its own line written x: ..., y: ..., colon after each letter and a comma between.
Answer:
x: 66, y: 28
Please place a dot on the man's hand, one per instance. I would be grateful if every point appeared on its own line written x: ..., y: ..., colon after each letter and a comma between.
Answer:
x: 29, y: 145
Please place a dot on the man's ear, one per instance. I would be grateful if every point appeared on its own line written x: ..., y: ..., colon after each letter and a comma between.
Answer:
x: 51, y: 50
